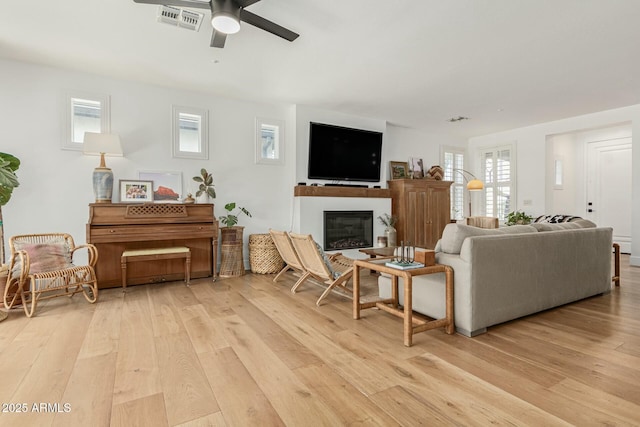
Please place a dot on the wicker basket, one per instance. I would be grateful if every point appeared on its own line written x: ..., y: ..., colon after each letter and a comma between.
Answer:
x: 232, y: 263
x: 263, y: 255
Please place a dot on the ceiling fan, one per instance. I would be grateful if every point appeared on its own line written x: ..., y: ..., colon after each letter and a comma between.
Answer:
x: 226, y: 16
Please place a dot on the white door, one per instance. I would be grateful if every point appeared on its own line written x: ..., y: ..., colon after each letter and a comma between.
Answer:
x: 609, y: 188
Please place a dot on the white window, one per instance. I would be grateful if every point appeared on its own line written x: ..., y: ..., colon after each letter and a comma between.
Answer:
x: 269, y: 141
x: 85, y: 113
x: 190, y: 133
x: 498, y: 174
x: 453, y: 160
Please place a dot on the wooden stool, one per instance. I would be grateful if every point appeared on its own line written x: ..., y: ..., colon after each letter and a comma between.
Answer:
x: 153, y: 255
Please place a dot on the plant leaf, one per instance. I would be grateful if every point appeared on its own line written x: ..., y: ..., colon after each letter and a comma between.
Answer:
x: 211, y: 192
x: 230, y: 206
x: 197, y: 179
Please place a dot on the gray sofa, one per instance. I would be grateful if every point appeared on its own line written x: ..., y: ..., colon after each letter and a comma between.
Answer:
x: 503, y: 274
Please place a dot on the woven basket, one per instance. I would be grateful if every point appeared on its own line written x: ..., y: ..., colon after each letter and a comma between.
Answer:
x: 232, y: 263
x: 263, y: 255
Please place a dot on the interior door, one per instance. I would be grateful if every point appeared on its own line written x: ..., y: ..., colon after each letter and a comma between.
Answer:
x: 609, y: 188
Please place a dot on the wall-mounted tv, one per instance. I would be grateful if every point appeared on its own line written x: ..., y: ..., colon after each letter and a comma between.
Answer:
x: 344, y: 154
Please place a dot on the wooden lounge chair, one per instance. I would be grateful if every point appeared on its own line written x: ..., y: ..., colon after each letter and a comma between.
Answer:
x: 43, y: 264
x: 333, y: 270
x: 288, y: 254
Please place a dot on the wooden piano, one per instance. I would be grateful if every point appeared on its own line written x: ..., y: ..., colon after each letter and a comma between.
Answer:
x: 116, y: 227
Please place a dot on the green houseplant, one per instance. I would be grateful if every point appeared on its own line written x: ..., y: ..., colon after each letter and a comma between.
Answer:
x: 231, y: 218
x: 8, y: 181
x: 206, y: 184
x: 518, y: 218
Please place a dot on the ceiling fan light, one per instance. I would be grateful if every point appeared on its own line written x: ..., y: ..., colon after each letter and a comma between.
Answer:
x: 225, y: 23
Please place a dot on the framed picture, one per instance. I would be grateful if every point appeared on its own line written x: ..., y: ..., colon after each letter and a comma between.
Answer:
x: 416, y: 167
x: 133, y: 191
x: 399, y: 170
x: 167, y: 186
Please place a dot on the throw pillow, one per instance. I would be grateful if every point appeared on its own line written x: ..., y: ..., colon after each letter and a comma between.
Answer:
x: 45, y: 257
x: 327, y: 261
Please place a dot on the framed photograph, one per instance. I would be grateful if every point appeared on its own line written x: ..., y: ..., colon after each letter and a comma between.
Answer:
x: 399, y: 170
x: 133, y: 191
x: 167, y: 186
x: 416, y: 167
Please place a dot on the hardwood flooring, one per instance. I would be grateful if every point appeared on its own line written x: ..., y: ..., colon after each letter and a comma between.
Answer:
x: 245, y: 351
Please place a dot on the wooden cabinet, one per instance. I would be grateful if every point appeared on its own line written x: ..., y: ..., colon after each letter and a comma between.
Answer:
x: 423, y: 209
x: 116, y: 227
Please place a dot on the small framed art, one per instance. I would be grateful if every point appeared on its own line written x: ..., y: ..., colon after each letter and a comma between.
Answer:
x: 134, y: 191
x: 416, y: 167
x: 399, y: 170
x: 167, y: 185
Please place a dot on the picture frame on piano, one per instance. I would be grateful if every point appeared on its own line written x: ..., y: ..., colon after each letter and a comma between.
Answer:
x: 135, y: 191
x: 167, y: 185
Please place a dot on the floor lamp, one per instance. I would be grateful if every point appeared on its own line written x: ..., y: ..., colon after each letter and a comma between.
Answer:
x: 473, y: 183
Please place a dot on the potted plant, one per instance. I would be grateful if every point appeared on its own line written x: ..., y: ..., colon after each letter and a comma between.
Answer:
x: 390, y: 232
x: 205, y: 187
x: 518, y: 218
x: 232, y: 259
x: 8, y: 181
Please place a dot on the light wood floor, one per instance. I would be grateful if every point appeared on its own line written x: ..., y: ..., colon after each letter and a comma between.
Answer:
x: 246, y: 351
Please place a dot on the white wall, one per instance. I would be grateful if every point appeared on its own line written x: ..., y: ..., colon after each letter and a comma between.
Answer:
x: 532, y: 158
x: 55, y: 185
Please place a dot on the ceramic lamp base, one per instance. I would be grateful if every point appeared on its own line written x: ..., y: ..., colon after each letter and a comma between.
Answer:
x: 102, y: 184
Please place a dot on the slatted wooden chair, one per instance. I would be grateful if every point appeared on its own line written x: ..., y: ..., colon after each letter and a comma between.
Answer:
x: 289, y: 256
x: 482, y: 221
x: 334, y: 270
x: 41, y: 267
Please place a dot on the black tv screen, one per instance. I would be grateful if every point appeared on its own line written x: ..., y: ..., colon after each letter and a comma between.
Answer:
x: 344, y: 154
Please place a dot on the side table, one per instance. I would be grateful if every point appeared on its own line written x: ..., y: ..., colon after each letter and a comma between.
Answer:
x: 411, y: 325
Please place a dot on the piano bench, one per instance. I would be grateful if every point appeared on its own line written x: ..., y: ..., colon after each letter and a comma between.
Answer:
x: 154, y: 255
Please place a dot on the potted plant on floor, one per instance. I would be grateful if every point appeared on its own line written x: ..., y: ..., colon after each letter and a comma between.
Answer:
x: 8, y: 181
x: 232, y: 260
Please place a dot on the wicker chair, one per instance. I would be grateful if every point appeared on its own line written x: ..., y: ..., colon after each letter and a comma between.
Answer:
x: 482, y: 221
x: 43, y: 264
x: 334, y: 270
x: 289, y: 256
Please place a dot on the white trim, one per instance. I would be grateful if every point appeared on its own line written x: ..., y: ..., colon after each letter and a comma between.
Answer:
x: 278, y: 129
x: 105, y: 116
x: 176, y: 152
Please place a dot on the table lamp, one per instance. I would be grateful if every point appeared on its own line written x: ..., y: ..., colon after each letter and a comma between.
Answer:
x: 102, y: 144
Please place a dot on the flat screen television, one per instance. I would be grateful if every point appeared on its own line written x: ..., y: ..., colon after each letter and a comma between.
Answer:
x: 344, y: 154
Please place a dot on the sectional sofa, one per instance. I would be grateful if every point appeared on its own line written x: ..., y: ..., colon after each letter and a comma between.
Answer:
x: 506, y: 273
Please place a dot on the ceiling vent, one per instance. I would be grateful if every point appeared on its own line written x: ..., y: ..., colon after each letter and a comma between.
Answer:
x: 180, y: 17
x: 457, y: 119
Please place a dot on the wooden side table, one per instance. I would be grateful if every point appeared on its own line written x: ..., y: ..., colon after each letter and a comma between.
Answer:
x: 411, y: 325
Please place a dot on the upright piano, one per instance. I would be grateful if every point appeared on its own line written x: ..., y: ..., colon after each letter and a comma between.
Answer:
x: 116, y: 227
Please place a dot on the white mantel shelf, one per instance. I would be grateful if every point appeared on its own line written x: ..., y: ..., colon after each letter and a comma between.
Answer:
x: 312, y: 191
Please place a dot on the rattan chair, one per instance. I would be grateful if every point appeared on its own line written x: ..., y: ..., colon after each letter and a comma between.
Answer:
x: 41, y: 267
x: 289, y: 256
x: 334, y: 270
x: 482, y: 221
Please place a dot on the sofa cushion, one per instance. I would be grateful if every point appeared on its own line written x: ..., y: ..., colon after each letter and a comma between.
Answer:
x: 454, y: 234
x: 547, y: 226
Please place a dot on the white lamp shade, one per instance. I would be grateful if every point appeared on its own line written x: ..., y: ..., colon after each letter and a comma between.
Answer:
x: 102, y: 143
x: 225, y: 23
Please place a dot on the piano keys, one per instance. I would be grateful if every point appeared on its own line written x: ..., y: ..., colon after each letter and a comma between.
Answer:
x: 116, y: 227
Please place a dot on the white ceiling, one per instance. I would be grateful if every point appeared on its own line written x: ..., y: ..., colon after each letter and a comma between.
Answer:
x: 503, y: 63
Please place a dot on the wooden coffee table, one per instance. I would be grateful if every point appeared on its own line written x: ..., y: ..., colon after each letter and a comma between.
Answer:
x: 386, y: 251
x: 411, y: 325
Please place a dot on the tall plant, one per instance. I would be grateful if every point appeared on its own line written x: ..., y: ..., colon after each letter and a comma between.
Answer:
x: 8, y: 181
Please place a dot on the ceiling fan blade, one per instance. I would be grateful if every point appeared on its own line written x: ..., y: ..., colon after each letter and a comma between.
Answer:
x: 265, y: 24
x: 178, y: 3
x: 218, y: 39
x: 245, y: 3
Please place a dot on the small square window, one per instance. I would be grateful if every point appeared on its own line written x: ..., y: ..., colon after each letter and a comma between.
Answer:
x: 190, y: 133
x: 269, y: 141
x: 85, y: 113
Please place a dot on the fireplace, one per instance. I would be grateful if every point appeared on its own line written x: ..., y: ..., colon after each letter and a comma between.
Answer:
x: 348, y: 230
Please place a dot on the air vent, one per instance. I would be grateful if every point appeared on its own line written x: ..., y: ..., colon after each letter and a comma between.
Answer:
x: 457, y: 119
x: 180, y: 17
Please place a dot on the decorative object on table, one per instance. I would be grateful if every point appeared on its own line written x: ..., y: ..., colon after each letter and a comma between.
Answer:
x: 232, y: 258
x: 382, y: 241
x: 205, y: 187
x: 473, y: 183
x: 103, y: 144
x: 264, y: 257
x: 390, y: 231
x: 134, y: 191
x: 399, y: 170
x: 404, y: 257
x: 189, y: 199
x: 167, y: 186
x: 416, y: 167
x: 518, y: 218
x: 435, y: 172
x: 9, y: 164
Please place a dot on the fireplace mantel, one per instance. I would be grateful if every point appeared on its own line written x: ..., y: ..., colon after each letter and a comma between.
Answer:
x: 312, y: 191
